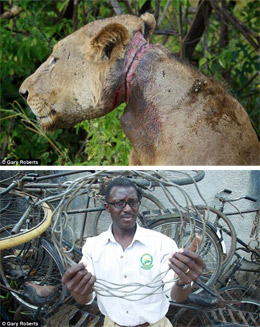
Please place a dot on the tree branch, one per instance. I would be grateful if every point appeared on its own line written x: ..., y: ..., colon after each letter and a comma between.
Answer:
x: 165, y: 32
x: 244, y: 30
x: 117, y: 9
x: 147, y: 6
x: 196, y: 30
x: 68, y: 10
x: 248, y: 82
x: 75, y: 14
x: 5, y: 144
x: 156, y: 11
x: 164, y: 13
x: 128, y: 6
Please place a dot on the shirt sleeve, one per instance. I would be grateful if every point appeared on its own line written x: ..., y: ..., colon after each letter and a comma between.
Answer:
x: 87, y: 259
x: 87, y: 255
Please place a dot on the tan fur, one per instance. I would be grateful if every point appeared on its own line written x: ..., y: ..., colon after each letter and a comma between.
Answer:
x: 174, y: 114
x: 150, y: 21
x: 115, y: 35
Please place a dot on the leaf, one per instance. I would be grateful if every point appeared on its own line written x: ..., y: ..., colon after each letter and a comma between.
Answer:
x: 141, y: 3
x: 202, y: 61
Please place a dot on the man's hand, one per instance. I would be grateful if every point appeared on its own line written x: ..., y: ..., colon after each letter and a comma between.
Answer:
x: 187, y: 264
x: 79, y: 282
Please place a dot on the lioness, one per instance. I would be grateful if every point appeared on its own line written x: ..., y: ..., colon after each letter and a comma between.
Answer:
x: 174, y: 114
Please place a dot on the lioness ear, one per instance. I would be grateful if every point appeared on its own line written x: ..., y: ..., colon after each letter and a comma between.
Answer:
x: 109, y: 43
x: 149, y: 24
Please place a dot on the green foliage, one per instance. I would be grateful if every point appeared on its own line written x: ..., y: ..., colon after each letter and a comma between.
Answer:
x: 102, y: 141
x: 27, y: 40
x: 237, y: 63
x: 106, y: 143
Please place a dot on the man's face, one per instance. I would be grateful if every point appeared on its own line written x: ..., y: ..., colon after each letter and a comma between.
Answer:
x: 124, y: 218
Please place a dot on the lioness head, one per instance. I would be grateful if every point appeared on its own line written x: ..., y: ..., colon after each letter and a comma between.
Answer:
x: 84, y: 76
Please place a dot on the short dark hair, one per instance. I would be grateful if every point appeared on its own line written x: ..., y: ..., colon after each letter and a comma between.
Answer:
x: 121, y: 182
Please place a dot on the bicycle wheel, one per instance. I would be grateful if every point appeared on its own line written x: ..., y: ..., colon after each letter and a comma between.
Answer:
x: 225, y: 230
x: 251, y: 311
x: 103, y: 220
x: 179, y: 177
x: 189, y: 317
x: 210, y: 249
x: 245, y: 311
x: 151, y: 178
x: 235, y: 292
x: 36, y: 262
x: 16, y: 204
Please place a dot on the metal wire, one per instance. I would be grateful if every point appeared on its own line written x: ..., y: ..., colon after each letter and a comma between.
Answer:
x: 91, y: 184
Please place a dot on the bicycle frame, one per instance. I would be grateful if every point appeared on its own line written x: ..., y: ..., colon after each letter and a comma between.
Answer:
x: 238, y: 212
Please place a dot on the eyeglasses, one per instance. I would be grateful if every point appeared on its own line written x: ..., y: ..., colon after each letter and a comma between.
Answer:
x: 121, y: 204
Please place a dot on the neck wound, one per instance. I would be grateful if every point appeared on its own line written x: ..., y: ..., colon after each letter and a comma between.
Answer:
x: 136, y: 50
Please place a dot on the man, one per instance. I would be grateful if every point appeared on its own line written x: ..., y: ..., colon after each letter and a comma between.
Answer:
x: 127, y: 254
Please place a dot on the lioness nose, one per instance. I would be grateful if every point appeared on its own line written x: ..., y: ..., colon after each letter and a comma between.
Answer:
x: 24, y: 94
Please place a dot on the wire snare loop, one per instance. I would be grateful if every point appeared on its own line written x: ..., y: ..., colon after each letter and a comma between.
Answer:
x: 90, y: 184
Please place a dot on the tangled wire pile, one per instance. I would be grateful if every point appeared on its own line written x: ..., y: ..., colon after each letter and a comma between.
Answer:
x: 91, y: 184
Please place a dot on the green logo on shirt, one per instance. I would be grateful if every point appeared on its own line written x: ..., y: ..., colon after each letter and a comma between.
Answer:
x: 146, y: 261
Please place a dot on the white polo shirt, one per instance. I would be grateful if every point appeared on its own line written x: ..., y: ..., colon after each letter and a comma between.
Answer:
x: 144, y: 259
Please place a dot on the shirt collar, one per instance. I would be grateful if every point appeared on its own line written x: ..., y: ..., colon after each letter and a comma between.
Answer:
x: 139, y: 235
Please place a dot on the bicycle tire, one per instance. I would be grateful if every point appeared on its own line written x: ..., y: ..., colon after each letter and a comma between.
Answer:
x: 202, y: 317
x: 40, y: 217
x: 248, y: 307
x: 235, y: 291
x: 210, y: 249
x: 223, y: 324
x: 188, y: 317
x: 228, y: 236
x: 145, y: 178
x: 171, y: 176
x: 103, y: 219
x: 35, y: 261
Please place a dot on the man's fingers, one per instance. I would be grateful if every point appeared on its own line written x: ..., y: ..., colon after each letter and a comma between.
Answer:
x: 186, y: 255
x: 185, y: 278
x: 90, y: 285
x: 180, y: 265
x: 79, y: 280
x: 71, y: 272
x: 186, y: 263
x: 74, y: 282
x: 196, y: 241
x: 189, y: 254
x: 84, y: 285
